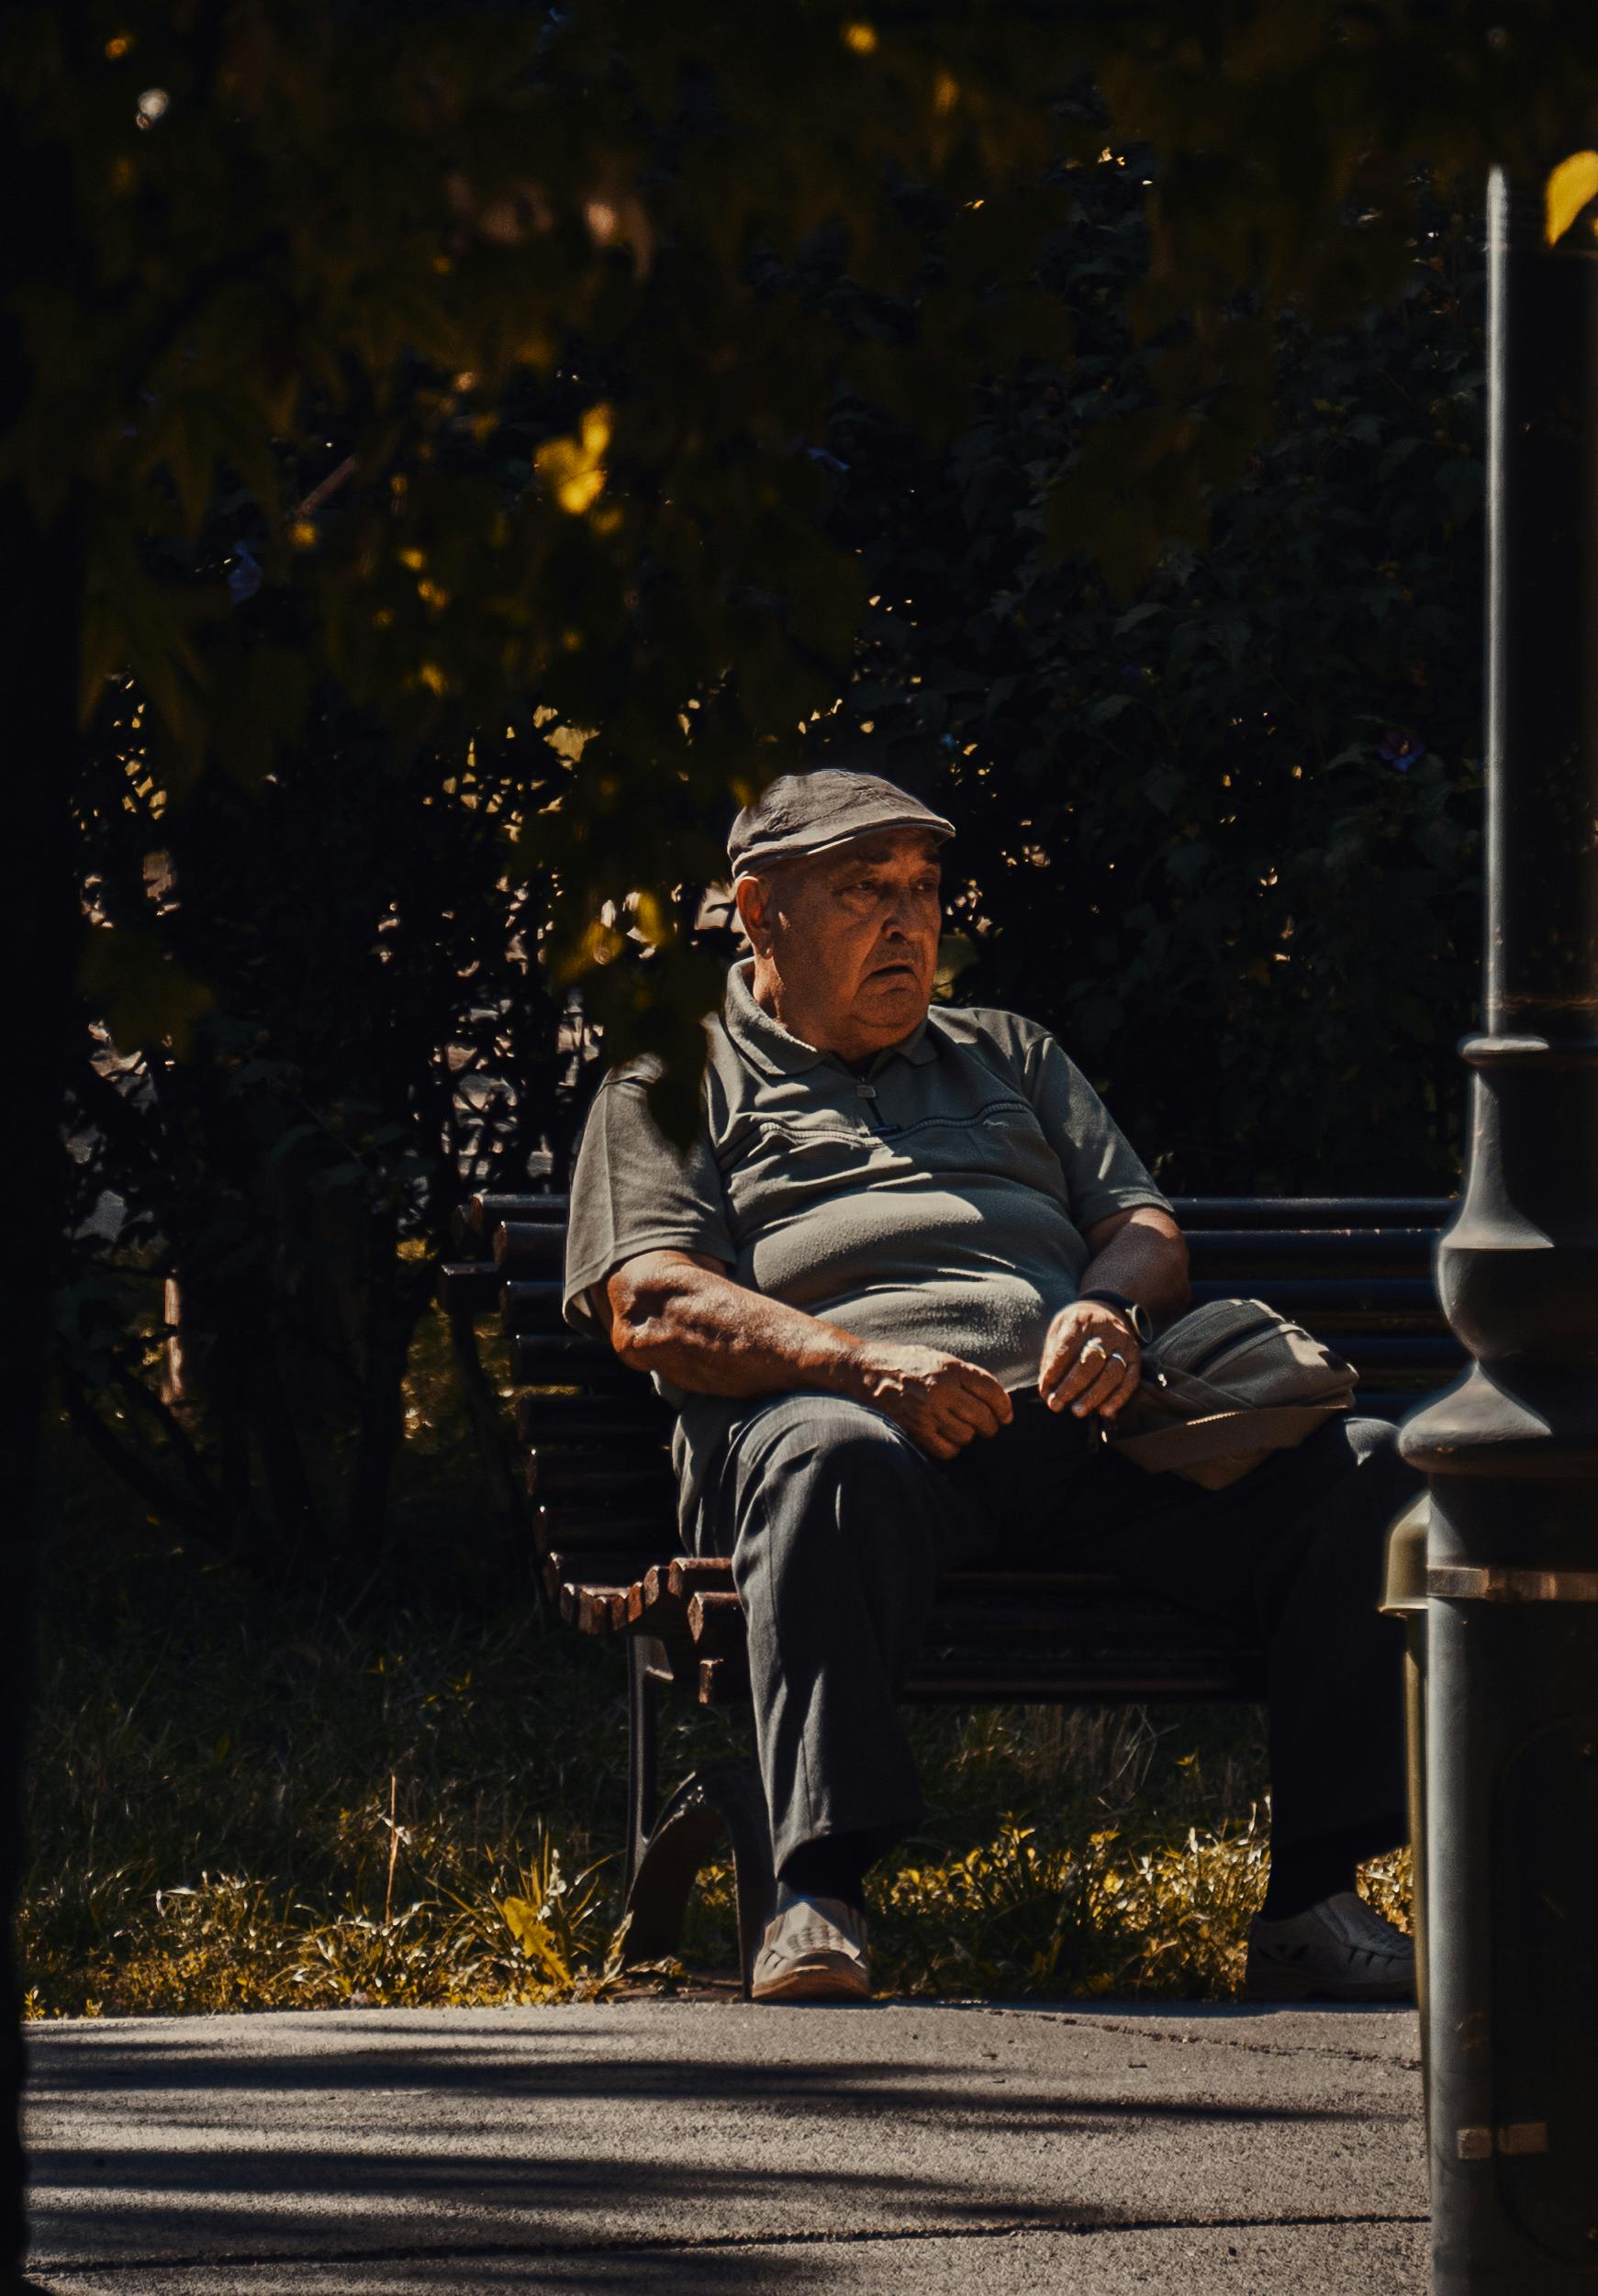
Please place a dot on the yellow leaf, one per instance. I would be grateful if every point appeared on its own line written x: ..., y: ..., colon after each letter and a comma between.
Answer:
x: 574, y: 467
x: 1572, y: 184
x: 575, y: 494
x: 650, y: 915
x: 523, y: 1921
x: 861, y: 38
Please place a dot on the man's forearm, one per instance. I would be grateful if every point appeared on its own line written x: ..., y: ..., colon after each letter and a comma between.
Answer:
x: 712, y: 1336
x: 1149, y: 1264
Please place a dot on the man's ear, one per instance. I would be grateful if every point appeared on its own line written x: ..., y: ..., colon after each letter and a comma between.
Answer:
x: 751, y: 898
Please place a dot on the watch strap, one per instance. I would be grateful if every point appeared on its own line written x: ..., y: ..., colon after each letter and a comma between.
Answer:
x: 1136, y: 1316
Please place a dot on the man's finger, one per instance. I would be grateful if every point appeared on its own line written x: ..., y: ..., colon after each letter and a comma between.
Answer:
x: 1086, y: 1367
x: 985, y: 1388
x: 1074, y: 1362
x: 1094, y: 1397
x: 1098, y: 1351
x: 1058, y: 1356
x: 973, y: 1408
x: 1124, y: 1394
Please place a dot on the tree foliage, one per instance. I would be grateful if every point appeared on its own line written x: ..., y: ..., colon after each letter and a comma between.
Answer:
x: 443, y: 466
x: 1220, y: 831
x: 1222, y: 837
x: 473, y: 454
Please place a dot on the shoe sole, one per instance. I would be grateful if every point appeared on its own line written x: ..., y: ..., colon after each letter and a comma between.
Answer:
x: 813, y: 1981
x: 1268, y: 1984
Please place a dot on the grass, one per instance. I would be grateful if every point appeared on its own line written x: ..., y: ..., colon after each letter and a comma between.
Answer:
x: 240, y: 1802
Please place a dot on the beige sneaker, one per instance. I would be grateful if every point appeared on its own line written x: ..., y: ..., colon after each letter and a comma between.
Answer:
x: 814, y: 1950
x: 1341, y: 1950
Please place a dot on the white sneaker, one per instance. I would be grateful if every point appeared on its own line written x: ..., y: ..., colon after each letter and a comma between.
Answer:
x: 1341, y: 1950
x: 814, y: 1950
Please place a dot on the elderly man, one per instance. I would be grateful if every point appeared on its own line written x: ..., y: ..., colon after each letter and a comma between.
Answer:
x: 898, y: 1283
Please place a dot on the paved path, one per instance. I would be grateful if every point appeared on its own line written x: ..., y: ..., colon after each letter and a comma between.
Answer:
x: 684, y: 2147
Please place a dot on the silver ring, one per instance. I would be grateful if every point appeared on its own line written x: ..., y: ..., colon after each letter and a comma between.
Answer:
x: 1117, y: 1357
x: 1091, y: 1344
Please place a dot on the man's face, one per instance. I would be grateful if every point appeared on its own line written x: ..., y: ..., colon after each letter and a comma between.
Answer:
x: 847, y: 944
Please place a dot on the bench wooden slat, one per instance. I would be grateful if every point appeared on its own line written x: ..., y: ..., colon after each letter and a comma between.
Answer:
x: 610, y: 1567
x: 1329, y: 1304
x: 1313, y: 1211
x: 593, y: 1609
x: 582, y: 1530
x: 622, y: 1481
x: 637, y: 1422
x: 1238, y: 1257
x: 528, y: 1307
x: 1436, y: 1351
x: 528, y: 1247
x: 657, y: 1603
x: 574, y: 1361
x: 1393, y: 1403
x: 480, y: 1215
x: 468, y: 1287
x: 699, y: 1574
x: 653, y: 1609
x: 716, y: 1623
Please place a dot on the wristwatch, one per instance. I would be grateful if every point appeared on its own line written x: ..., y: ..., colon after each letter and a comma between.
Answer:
x: 1133, y: 1309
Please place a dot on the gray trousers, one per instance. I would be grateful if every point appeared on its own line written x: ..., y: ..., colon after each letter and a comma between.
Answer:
x: 838, y: 1528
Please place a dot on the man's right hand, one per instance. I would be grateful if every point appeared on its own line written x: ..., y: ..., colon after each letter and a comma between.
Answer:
x: 939, y: 1401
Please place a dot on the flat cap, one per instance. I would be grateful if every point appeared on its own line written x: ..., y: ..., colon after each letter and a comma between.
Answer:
x: 810, y: 813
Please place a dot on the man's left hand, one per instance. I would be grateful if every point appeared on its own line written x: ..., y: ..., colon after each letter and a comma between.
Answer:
x: 1091, y: 1361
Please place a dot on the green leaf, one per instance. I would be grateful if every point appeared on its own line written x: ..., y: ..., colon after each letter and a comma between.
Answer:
x: 1135, y: 616
x: 145, y: 998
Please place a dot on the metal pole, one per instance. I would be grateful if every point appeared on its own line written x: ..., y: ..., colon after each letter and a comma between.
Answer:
x: 1512, y: 1452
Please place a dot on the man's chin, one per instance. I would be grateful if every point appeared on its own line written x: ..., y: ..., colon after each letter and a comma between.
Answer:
x: 893, y: 1008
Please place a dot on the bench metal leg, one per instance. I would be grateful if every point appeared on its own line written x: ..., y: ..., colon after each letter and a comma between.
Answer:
x: 644, y: 1670
x: 708, y: 1810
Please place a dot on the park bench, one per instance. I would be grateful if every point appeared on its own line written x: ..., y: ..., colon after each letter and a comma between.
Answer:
x: 1356, y: 1271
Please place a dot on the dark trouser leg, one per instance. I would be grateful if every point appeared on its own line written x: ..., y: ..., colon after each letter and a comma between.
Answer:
x: 1292, y: 1553
x: 1295, y: 1551
x: 838, y: 1528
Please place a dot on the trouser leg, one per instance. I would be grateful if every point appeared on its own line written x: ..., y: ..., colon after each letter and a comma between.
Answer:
x: 1335, y: 1680
x: 1295, y: 1552
x: 1292, y: 1554
x: 838, y: 1528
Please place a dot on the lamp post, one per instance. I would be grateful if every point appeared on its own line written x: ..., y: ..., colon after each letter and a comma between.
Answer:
x: 1512, y: 1452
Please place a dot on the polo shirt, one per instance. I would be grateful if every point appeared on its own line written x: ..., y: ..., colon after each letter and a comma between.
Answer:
x: 938, y: 1195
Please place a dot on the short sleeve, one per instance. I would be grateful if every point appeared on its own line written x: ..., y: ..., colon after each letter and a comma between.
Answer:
x: 1103, y: 1172
x: 632, y: 1192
